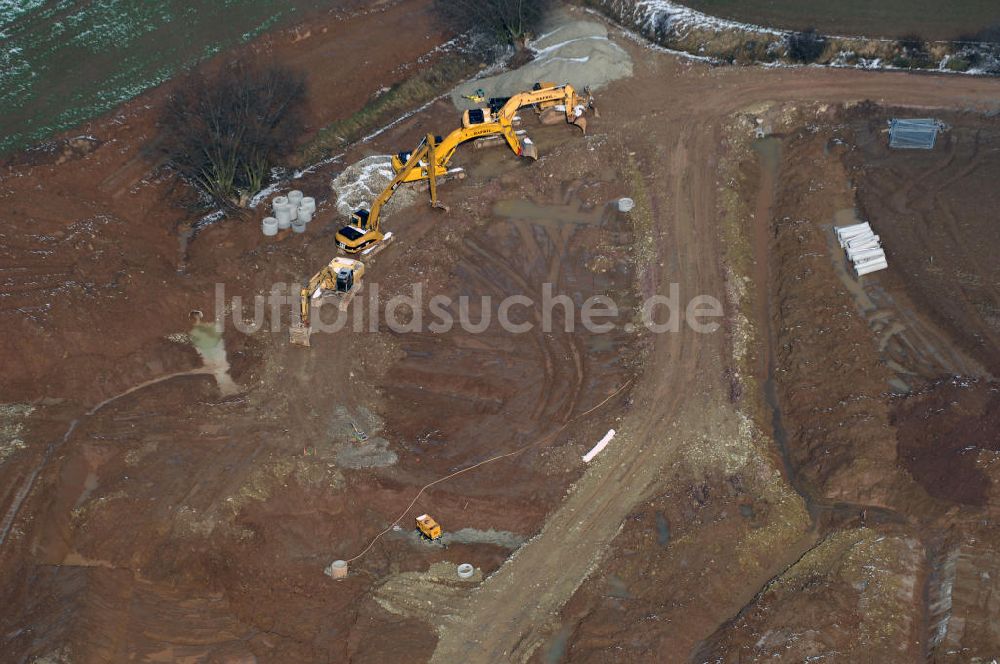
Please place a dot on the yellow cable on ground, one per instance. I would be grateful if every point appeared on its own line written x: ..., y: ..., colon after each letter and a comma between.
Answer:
x: 483, y: 463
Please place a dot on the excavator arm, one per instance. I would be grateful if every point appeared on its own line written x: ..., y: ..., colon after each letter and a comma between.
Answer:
x: 365, y: 227
x: 497, y: 121
x: 446, y: 147
x: 340, y: 276
x: 321, y: 280
x: 574, y: 105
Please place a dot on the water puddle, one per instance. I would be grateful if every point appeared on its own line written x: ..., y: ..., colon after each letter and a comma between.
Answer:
x: 662, y: 529
x: 617, y: 588
x: 555, y: 650
x: 769, y: 159
x: 90, y: 484
x: 207, y: 340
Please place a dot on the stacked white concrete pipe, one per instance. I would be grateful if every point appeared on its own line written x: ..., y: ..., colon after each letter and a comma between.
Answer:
x: 292, y: 211
x: 863, y: 248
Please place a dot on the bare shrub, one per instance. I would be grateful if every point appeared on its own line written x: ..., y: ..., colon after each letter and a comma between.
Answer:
x: 224, y: 131
x: 503, y: 21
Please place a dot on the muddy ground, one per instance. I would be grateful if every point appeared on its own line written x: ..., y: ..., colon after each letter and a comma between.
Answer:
x: 776, y: 489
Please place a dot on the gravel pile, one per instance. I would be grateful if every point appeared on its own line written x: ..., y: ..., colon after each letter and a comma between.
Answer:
x: 575, y: 52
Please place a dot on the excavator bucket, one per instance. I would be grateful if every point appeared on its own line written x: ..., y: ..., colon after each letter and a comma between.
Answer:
x: 529, y: 150
x: 581, y: 122
x: 298, y: 335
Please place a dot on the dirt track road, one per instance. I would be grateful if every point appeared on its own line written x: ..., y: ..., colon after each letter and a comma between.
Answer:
x: 671, y: 113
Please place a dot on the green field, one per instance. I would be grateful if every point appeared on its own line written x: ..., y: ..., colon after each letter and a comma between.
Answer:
x: 931, y: 19
x: 65, y: 61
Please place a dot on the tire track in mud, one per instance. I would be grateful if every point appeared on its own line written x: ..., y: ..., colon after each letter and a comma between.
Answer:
x: 53, y: 447
x: 546, y: 342
x: 520, y: 600
x: 540, y: 340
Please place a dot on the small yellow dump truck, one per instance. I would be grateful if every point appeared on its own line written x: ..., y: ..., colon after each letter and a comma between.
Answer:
x: 428, y: 527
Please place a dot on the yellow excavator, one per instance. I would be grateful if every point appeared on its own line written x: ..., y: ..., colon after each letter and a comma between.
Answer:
x: 445, y: 150
x: 551, y: 102
x: 340, y: 278
x: 364, y: 233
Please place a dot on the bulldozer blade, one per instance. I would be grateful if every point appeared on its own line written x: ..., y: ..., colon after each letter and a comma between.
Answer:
x: 299, y: 334
x: 529, y: 150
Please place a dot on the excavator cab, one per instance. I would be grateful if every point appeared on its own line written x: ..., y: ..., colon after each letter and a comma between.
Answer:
x: 400, y: 158
x: 345, y: 280
x: 476, y: 116
x: 358, y: 235
x: 352, y: 239
x: 360, y: 218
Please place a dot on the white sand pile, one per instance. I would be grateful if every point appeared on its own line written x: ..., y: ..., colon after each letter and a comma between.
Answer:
x: 358, y: 185
x: 575, y: 52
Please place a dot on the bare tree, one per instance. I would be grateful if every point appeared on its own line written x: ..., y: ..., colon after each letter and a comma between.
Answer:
x: 504, y: 21
x: 223, y: 132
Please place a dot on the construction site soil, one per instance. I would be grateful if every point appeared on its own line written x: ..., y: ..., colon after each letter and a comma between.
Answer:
x: 813, y: 480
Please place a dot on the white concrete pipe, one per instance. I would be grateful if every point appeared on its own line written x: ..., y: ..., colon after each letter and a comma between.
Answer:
x: 466, y: 571
x: 298, y: 226
x: 868, y: 246
x: 308, y: 203
x: 862, y: 239
x: 844, y: 235
x: 867, y: 255
x: 875, y: 261
x: 283, y: 213
x: 861, y: 244
x: 337, y: 569
x: 625, y: 204
x: 295, y: 198
x: 846, y: 240
x: 868, y: 268
x: 305, y: 216
x: 855, y: 254
x: 269, y: 226
x: 855, y: 228
x: 277, y: 202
